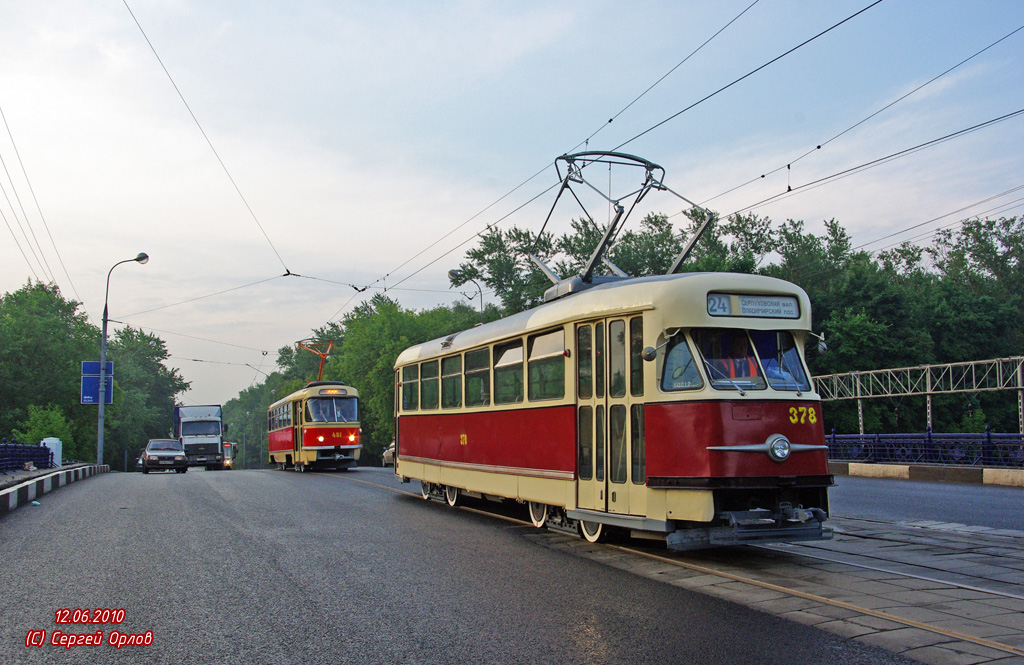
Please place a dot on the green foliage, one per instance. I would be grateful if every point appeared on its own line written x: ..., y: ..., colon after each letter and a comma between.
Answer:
x: 960, y: 299
x: 43, y: 340
x: 44, y: 422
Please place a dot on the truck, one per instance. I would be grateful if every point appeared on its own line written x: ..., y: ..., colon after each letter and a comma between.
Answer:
x: 201, y: 432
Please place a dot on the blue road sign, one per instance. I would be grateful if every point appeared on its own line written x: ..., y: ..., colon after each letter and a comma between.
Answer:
x: 92, y: 368
x: 91, y: 389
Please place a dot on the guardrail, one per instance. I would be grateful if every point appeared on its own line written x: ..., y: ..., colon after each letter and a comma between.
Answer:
x: 13, y: 456
x: 977, y: 450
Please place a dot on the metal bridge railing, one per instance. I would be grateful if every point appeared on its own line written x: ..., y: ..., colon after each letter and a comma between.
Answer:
x: 13, y: 456
x: 980, y: 450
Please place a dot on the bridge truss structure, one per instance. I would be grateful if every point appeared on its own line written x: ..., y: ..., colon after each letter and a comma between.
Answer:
x: 928, y: 380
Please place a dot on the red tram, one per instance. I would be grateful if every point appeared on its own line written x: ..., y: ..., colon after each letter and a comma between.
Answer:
x: 676, y: 406
x: 315, y: 428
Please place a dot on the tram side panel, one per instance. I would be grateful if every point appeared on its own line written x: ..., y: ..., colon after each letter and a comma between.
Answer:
x: 514, y: 454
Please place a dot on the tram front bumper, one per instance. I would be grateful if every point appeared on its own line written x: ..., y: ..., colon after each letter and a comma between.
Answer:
x: 789, y: 525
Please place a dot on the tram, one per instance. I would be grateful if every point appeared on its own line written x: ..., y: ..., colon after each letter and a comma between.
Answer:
x: 316, y: 427
x: 675, y: 407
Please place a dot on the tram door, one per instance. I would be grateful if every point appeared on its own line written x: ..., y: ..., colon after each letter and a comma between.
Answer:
x: 296, y: 408
x: 602, y: 416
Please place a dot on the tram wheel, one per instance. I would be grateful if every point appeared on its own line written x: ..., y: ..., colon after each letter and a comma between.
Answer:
x: 538, y: 514
x: 425, y: 490
x: 592, y: 532
x: 451, y: 495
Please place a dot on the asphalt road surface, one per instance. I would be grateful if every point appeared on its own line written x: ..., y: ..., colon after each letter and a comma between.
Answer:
x: 282, y: 567
x: 905, y: 501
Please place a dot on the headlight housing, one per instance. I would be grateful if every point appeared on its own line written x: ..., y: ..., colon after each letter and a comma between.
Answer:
x: 779, y: 448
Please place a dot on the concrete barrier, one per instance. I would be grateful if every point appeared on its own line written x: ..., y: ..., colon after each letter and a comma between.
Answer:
x: 933, y: 473
x: 35, y: 487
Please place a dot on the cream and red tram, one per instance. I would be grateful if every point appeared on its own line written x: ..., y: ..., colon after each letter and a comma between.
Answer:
x: 678, y: 405
x: 315, y: 428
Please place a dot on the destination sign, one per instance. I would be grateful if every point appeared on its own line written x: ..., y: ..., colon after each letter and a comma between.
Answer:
x: 762, y: 307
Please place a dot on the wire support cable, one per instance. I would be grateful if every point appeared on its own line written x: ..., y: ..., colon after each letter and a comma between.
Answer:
x: 209, y: 295
x: 201, y: 339
x: 208, y: 141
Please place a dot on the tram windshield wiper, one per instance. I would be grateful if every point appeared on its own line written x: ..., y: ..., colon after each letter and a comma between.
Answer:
x: 712, y: 370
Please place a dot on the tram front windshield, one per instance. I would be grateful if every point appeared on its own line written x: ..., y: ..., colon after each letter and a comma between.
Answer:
x: 332, y: 410
x: 754, y: 360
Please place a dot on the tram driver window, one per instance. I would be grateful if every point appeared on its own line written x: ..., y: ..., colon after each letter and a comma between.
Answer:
x: 680, y: 371
x: 729, y: 359
x: 782, y: 365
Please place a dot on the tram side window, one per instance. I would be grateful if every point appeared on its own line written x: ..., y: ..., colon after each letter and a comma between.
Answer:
x: 546, y: 367
x: 636, y: 363
x: 451, y: 382
x: 428, y: 385
x: 478, y: 377
x: 617, y: 443
x: 637, y: 443
x: 410, y: 387
x: 617, y: 358
x: 508, y: 373
x: 585, y: 443
x: 599, y: 360
x: 680, y: 370
x: 584, y: 362
x: 781, y: 362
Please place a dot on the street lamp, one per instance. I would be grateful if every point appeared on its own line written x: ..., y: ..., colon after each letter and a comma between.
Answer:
x: 141, y: 258
x: 457, y: 276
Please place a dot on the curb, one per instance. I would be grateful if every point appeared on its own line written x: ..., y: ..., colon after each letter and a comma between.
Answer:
x: 964, y: 475
x: 20, y: 494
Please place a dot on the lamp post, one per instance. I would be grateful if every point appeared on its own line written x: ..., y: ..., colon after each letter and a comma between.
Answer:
x: 245, y: 433
x: 457, y: 276
x: 141, y: 258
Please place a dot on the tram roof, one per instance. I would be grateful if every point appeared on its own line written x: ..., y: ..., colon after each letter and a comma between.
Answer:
x: 313, y: 389
x: 684, y: 292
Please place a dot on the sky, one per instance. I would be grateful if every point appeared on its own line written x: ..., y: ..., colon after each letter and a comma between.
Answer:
x: 353, y: 143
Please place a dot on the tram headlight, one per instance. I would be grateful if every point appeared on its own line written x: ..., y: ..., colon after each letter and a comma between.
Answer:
x: 778, y: 448
x: 320, y: 438
x: 351, y: 437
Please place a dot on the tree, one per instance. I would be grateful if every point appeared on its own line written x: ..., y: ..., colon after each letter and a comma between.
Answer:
x: 44, y: 422
x: 43, y: 339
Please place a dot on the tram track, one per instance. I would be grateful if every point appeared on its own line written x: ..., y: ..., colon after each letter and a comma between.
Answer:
x: 820, y: 575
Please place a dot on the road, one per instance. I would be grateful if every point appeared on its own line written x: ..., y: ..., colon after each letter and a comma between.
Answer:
x: 281, y: 567
x: 903, y: 501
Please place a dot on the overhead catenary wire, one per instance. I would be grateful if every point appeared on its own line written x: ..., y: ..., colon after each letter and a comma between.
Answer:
x: 548, y: 166
x: 21, y: 227
x: 675, y: 115
x: 664, y: 76
x: 790, y: 191
x: 231, y: 178
x: 747, y: 75
x: 863, y: 120
x: 39, y: 208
